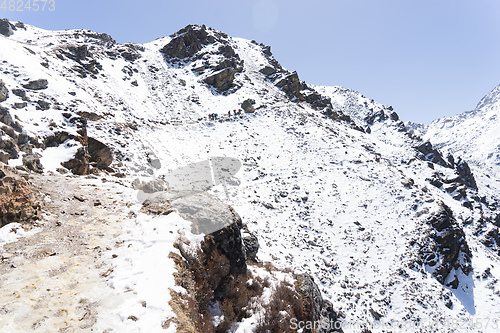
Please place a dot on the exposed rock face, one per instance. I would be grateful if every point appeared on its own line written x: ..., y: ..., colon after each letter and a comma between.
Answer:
x: 431, y: 154
x: 465, y: 174
x: 130, y: 52
x: 187, y: 42
x: 446, y: 249
x: 291, y: 85
x: 376, y: 117
x: 4, y: 92
x: 39, y: 84
x: 228, y: 241
x: 17, y: 200
x: 210, y: 216
x: 79, y: 164
x: 222, y: 80
x: 188, y: 45
x: 321, y: 310
x: 100, y: 154
x: 251, y: 244
x: 6, y: 28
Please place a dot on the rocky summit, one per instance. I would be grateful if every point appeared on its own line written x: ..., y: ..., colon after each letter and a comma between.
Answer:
x: 335, y: 215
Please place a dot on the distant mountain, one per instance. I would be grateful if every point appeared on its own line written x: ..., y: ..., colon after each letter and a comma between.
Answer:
x: 396, y: 224
x: 474, y: 136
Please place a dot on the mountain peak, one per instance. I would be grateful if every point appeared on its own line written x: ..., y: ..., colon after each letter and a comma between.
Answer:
x: 491, y: 99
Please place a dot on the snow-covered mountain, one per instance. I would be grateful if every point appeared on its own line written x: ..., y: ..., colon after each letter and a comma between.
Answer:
x: 474, y: 135
x: 333, y: 184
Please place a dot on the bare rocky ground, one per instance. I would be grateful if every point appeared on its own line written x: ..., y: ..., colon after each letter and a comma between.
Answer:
x: 55, y: 279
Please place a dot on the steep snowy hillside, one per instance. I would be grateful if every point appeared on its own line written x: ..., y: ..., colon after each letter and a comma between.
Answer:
x: 397, y: 236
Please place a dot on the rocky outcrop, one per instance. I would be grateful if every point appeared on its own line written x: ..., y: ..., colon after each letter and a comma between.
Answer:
x: 100, y: 154
x: 18, y: 202
x: 79, y: 164
x: 4, y: 92
x: 465, y: 174
x: 187, y: 42
x: 187, y: 46
x: 5, y: 116
x: 296, y: 89
x: 228, y: 242
x: 131, y: 52
x: 20, y: 93
x: 446, y: 250
x: 321, y: 311
x: 6, y: 28
x: 39, y: 84
x: 251, y: 244
x: 429, y: 153
x: 221, y: 80
x: 291, y: 85
x: 464, y: 178
x: 247, y: 105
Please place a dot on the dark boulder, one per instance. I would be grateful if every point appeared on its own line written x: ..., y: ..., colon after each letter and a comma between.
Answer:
x: 19, y: 92
x: 247, y: 105
x: 309, y: 290
x: 436, y: 180
x: 394, y: 116
x: 229, y: 243
x: 5, y: 116
x: 57, y: 139
x: 316, y: 100
x: 130, y: 51
x: 20, y: 105
x: 4, y: 92
x: 100, y: 154
x: 210, y: 216
x: 42, y: 105
x: 329, y: 319
x: 36, y: 84
x: 6, y: 28
x: 79, y: 53
x: 268, y: 70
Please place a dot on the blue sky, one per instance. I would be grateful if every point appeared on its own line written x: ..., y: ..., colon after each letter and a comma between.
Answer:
x: 427, y: 59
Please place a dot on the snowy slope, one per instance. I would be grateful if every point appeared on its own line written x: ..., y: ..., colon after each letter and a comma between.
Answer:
x: 474, y: 135
x: 349, y: 206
